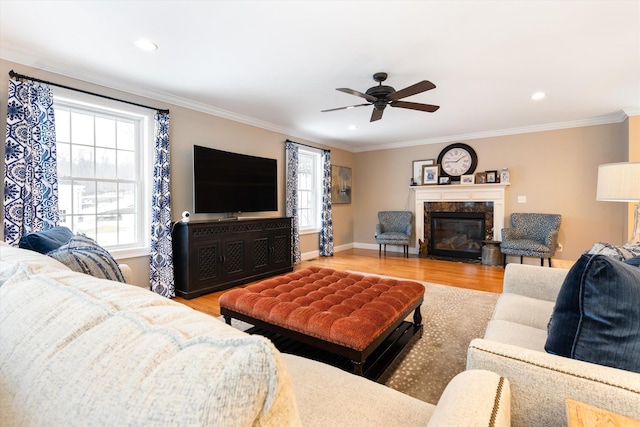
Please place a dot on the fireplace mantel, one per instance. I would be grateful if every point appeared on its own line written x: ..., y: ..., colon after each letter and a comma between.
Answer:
x: 460, y: 193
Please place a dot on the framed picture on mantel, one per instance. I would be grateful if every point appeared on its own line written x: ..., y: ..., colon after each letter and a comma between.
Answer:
x: 417, y: 169
x: 430, y: 174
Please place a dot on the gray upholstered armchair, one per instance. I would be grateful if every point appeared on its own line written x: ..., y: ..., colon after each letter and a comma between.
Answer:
x: 531, y: 235
x: 394, y: 228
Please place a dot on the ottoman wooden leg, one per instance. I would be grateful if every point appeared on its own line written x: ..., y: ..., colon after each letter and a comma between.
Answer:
x: 417, y: 321
x: 357, y: 367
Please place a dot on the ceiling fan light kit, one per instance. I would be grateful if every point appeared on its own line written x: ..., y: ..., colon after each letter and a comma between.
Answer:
x: 380, y: 96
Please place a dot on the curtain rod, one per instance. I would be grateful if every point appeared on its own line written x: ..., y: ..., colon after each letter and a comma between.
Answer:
x: 306, y: 145
x: 15, y: 75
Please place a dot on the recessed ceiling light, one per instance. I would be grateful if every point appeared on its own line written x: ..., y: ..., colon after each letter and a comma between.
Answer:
x: 352, y: 127
x: 146, y: 45
x: 538, y: 95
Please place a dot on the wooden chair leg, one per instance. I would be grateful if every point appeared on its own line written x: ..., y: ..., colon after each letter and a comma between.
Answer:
x: 549, y: 262
x: 541, y: 262
x: 520, y: 259
x: 380, y: 250
x: 504, y: 260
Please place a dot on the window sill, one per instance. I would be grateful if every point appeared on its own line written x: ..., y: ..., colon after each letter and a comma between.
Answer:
x: 119, y: 254
x: 310, y: 231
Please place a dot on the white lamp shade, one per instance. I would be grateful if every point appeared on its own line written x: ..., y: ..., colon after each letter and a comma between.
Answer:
x: 619, y: 182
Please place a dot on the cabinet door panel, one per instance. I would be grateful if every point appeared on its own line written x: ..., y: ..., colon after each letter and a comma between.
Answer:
x: 234, y: 257
x: 281, y: 249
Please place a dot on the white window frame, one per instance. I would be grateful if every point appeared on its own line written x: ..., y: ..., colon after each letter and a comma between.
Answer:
x: 316, y: 190
x: 77, y: 100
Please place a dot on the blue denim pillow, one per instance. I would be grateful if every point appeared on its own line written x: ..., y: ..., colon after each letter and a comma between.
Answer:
x: 635, y: 261
x: 47, y: 240
x: 597, y: 314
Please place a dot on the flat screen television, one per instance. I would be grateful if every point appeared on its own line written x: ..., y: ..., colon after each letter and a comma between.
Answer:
x: 225, y: 182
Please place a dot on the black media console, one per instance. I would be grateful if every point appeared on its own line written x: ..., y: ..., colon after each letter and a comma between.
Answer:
x: 210, y: 256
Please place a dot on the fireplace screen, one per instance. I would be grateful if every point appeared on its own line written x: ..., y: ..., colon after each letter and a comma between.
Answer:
x: 457, y: 234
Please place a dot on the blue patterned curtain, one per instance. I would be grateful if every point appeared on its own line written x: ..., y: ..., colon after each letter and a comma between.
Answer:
x: 30, y: 175
x: 291, y: 209
x: 161, y: 259
x: 326, y: 226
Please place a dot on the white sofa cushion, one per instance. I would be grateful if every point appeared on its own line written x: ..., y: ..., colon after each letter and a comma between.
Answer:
x: 516, y: 334
x: 523, y: 310
x: 83, y: 351
x: 345, y: 396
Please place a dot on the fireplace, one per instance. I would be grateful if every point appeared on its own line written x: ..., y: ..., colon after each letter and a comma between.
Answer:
x: 457, y: 234
x: 457, y: 229
x: 485, y: 198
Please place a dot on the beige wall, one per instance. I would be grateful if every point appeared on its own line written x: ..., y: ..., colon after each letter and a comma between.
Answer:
x: 555, y: 170
x: 189, y: 127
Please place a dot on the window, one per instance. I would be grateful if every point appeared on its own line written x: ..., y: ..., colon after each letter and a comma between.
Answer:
x: 103, y: 170
x: 309, y: 189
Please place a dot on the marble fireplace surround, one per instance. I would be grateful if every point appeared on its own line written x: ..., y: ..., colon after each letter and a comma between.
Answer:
x: 459, y: 193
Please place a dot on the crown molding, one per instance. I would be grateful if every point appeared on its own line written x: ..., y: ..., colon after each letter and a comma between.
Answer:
x: 632, y: 111
x: 26, y: 59
x: 611, y: 118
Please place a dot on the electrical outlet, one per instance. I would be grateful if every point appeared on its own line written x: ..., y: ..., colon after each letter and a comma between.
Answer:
x: 522, y: 199
x: 559, y: 247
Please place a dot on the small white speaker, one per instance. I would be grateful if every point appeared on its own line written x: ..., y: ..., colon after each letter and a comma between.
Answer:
x: 185, y: 216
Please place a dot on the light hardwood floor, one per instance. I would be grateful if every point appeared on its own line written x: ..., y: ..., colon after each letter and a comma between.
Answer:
x: 462, y: 275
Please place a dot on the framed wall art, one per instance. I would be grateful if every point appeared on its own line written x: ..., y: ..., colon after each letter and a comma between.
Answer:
x: 417, y: 170
x: 340, y: 184
x: 430, y: 174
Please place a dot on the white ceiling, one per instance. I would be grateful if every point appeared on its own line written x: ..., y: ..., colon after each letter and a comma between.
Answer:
x: 276, y: 64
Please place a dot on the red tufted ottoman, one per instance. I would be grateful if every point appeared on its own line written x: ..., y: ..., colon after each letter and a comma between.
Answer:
x: 346, y: 314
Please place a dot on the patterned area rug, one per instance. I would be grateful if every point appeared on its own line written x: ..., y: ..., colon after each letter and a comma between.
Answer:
x: 452, y: 317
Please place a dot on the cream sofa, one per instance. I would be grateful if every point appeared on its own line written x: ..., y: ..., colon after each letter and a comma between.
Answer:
x: 77, y: 350
x: 513, y: 346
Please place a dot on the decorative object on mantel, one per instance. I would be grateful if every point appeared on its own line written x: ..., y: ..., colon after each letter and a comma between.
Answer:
x: 340, y: 184
x: 481, y: 178
x: 456, y: 160
x: 492, y: 177
x: 430, y: 174
x: 620, y: 182
x: 444, y: 180
x: 417, y: 170
x: 467, y: 179
x: 504, y: 175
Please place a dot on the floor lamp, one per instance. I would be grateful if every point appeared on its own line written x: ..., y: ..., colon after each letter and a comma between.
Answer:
x: 620, y: 182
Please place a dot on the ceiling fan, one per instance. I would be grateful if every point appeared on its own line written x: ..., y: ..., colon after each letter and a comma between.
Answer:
x: 380, y: 96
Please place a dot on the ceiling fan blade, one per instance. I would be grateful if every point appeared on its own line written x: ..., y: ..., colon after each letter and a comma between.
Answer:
x: 419, y: 87
x: 376, y: 115
x: 344, y: 108
x: 415, y: 106
x: 356, y: 93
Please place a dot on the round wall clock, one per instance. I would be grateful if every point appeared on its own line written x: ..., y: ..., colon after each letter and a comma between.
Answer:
x: 456, y: 160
